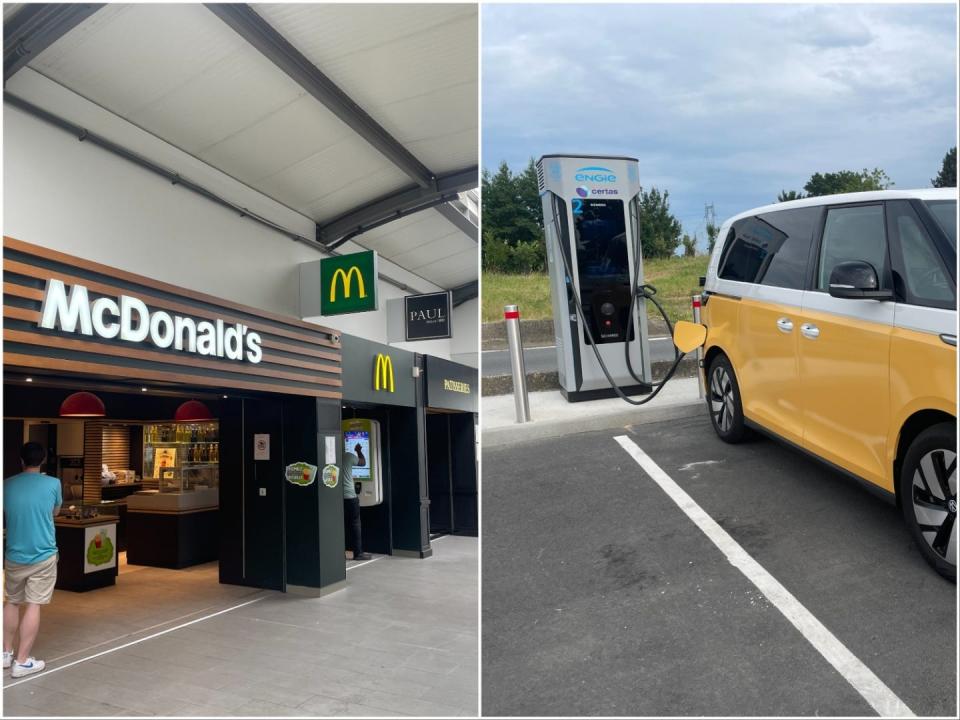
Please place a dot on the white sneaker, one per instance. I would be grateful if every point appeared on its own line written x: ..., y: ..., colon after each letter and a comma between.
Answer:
x: 7, y: 659
x: 30, y: 667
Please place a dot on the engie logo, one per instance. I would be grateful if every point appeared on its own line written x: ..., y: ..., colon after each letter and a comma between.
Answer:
x: 131, y: 320
x: 595, y: 174
x: 383, y: 373
x: 346, y: 279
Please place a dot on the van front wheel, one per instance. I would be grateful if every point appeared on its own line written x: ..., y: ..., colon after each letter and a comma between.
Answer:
x: 723, y: 400
x: 928, y: 496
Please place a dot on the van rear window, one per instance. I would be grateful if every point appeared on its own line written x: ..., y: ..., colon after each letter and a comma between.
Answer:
x: 771, y: 249
x: 945, y: 211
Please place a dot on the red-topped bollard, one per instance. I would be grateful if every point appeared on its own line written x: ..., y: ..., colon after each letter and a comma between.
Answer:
x: 696, y: 319
x: 511, y: 315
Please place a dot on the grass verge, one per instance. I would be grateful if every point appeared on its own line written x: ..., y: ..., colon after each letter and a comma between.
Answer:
x: 676, y: 279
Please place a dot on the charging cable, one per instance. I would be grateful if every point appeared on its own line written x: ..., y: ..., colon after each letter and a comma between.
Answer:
x: 648, y: 292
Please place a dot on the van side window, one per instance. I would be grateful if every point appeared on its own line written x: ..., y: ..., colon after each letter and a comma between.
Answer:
x: 772, y: 248
x: 924, y: 279
x: 786, y: 265
x: 743, y: 256
x: 853, y: 233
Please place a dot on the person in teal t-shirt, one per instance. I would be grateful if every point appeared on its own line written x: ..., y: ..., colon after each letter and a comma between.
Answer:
x: 30, y: 502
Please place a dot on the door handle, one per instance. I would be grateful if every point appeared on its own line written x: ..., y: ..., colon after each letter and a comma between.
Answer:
x: 810, y: 331
x: 949, y: 339
x: 785, y: 325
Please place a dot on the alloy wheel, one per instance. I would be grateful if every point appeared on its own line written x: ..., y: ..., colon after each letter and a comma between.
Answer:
x: 935, y: 502
x: 721, y: 399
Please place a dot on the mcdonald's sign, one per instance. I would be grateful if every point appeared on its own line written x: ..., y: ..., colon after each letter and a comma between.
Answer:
x: 383, y: 373
x: 348, y: 283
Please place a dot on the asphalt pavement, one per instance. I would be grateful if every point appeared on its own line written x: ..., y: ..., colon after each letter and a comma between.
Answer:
x: 601, y: 597
x: 544, y: 359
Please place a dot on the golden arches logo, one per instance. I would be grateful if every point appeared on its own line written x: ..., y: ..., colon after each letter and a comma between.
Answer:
x: 383, y: 373
x: 347, y: 281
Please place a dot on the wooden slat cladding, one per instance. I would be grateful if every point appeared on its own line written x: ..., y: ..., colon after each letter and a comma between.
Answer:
x: 298, y: 358
x: 116, y: 447
x: 92, y: 460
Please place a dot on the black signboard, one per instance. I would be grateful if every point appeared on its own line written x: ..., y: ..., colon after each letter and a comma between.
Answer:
x: 377, y: 373
x: 427, y: 317
x: 450, y: 385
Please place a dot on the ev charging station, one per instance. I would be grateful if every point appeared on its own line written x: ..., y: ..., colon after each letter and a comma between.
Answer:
x: 362, y: 438
x: 591, y: 218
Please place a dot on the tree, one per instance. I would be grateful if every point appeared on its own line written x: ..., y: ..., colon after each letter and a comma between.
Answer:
x: 846, y: 181
x: 659, y: 230
x: 513, y: 239
x: 786, y: 195
x: 689, y: 245
x: 712, y: 232
x: 947, y: 177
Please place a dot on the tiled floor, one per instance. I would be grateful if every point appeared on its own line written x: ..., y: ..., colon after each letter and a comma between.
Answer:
x: 401, y: 639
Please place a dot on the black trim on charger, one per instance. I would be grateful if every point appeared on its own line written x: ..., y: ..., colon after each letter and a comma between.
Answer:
x: 873, y: 489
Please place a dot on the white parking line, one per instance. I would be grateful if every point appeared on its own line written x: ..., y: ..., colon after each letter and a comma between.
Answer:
x: 871, y: 688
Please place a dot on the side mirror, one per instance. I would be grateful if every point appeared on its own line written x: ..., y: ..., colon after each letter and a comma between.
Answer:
x: 688, y: 336
x: 857, y: 280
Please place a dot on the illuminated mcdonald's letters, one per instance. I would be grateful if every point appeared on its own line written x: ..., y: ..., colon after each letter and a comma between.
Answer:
x: 347, y: 278
x: 348, y: 283
x: 383, y: 373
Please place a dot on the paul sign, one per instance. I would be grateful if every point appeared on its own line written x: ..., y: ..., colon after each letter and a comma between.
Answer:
x: 427, y: 317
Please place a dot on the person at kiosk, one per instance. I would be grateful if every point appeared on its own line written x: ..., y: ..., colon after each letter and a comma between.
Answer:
x: 351, y: 503
x: 31, y: 500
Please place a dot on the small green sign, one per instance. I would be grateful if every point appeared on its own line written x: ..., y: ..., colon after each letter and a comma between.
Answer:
x: 348, y: 283
x: 100, y: 550
x: 301, y: 473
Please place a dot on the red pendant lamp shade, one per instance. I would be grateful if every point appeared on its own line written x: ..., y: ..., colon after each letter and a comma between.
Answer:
x: 82, y: 404
x: 192, y: 411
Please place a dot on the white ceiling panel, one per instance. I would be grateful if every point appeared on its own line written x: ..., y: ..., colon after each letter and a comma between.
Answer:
x: 124, y: 57
x: 182, y: 74
x: 297, y: 130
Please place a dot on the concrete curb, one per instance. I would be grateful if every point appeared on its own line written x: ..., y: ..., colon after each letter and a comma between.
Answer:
x: 537, y: 333
x: 545, y: 429
x: 494, y: 385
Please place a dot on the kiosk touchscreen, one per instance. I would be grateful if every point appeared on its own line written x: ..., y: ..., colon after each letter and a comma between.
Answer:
x: 362, y: 438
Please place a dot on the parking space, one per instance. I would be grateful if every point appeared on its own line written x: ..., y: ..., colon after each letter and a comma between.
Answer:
x: 599, y: 587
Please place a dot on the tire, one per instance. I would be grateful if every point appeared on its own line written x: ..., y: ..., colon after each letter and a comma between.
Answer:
x: 723, y: 401
x: 927, y: 488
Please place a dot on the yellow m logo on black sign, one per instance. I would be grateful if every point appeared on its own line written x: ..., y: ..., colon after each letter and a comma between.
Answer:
x: 383, y: 373
x: 347, y: 281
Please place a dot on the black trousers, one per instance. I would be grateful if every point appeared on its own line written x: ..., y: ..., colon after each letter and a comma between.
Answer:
x: 351, y: 523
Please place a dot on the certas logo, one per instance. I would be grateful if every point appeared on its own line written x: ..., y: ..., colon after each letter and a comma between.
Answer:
x: 595, y: 174
x: 346, y: 282
x: 383, y: 373
x: 131, y: 320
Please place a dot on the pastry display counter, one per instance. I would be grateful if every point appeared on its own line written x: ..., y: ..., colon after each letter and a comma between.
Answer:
x: 88, y: 549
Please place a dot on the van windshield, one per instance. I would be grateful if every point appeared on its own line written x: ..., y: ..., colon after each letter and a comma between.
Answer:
x: 945, y: 211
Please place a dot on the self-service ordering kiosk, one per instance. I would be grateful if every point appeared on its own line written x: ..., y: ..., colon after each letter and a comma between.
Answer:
x: 362, y: 438
x: 591, y: 220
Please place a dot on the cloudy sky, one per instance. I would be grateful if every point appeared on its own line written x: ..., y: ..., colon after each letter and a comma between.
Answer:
x: 726, y: 104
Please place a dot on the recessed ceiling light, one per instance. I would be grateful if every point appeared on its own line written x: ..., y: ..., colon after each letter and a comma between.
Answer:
x: 224, y: 397
x: 29, y: 379
x: 143, y: 389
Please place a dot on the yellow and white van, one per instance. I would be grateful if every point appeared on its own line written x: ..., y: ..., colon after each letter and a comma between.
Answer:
x: 832, y: 324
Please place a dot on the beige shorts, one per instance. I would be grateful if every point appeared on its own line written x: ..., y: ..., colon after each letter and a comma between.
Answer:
x: 30, y: 583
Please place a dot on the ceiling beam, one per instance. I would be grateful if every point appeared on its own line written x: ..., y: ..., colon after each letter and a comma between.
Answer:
x: 467, y: 291
x: 395, y: 205
x: 459, y: 220
x: 35, y: 27
x: 261, y: 35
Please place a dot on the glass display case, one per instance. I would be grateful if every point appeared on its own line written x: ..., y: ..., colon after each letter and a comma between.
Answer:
x: 181, y: 457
